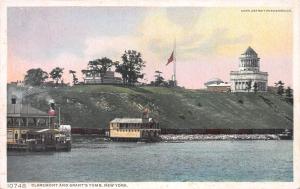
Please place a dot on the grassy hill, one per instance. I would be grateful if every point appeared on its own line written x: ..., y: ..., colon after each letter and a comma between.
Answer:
x: 94, y: 106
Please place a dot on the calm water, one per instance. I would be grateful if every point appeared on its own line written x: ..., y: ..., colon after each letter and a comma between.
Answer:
x: 92, y: 160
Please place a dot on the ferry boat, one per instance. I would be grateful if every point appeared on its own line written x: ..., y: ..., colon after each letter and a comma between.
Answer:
x: 143, y: 129
x: 43, y: 140
x: 31, y: 129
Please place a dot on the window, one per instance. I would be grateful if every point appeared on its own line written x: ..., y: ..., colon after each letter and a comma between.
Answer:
x: 13, y: 100
x: 9, y: 121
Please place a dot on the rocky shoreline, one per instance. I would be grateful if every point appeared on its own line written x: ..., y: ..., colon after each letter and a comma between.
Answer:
x: 199, y: 137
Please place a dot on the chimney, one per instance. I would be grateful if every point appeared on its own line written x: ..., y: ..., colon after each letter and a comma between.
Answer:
x: 145, y: 115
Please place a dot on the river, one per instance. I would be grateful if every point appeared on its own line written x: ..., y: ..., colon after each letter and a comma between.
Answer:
x: 93, y: 160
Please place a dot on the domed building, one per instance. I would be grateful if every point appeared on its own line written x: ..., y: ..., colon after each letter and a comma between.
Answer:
x: 214, y: 80
x: 249, y: 78
x: 217, y: 85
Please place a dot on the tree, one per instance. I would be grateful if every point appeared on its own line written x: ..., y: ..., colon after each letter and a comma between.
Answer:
x: 159, y: 80
x: 280, y: 87
x: 288, y: 92
x: 289, y: 95
x: 255, y: 87
x: 104, y: 64
x: 172, y: 83
x: 93, y: 69
x: 75, y: 79
x: 249, y: 85
x: 131, y: 67
x: 56, y: 74
x: 35, y: 77
x: 98, y: 67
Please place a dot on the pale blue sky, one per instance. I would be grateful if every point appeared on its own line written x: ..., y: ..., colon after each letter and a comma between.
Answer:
x: 209, y: 40
x: 46, y: 32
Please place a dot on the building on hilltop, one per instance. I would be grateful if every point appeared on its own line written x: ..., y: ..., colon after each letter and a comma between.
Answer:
x: 221, y: 87
x: 108, y: 78
x: 214, y: 80
x: 217, y: 85
x: 249, y: 78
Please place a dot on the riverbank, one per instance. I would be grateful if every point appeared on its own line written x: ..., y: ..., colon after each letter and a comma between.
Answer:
x: 199, y: 137
x: 189, y: 131
x: 202, y: 137
x: 178, y: 110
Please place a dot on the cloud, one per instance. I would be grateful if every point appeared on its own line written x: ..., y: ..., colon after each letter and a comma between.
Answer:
x: 158, y: 31
x: 216, y: 32
x: 210, y: 44
x: 208, y: 36
x: 109, y: 46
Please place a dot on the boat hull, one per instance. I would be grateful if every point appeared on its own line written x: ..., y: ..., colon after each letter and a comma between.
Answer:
x: 39, y: 147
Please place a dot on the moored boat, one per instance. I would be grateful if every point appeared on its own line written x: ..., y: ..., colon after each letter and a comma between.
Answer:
x: 143, y: 129
x: 42, y: 140
x: 286, y: 135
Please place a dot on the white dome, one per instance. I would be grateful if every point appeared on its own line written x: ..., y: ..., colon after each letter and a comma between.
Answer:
x: 214, y: 80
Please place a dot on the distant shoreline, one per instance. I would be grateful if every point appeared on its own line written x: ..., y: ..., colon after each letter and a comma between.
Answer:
x: 191, y: 131
x: 202, y: 137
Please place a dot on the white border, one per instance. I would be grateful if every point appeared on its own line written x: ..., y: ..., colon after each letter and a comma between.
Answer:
x: 295, y: 5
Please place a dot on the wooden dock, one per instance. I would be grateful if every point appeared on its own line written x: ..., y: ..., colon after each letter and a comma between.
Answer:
x: 17, y: 147
x: 39, y: 147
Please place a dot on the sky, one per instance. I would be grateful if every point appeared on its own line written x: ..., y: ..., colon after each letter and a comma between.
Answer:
x: 209, y: 41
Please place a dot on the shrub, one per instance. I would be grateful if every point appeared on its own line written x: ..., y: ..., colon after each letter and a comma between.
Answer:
x: 181, y: 116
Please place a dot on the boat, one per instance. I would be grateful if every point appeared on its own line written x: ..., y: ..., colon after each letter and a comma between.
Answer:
x: 286, y: 135
x: 43, y: 140
x: 33, y: 129
x: 144, y: 129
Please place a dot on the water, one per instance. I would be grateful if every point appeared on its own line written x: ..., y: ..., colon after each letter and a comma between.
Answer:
x: 92, y: 160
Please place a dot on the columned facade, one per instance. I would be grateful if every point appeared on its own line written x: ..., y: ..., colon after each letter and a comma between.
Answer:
x: 249, y: 78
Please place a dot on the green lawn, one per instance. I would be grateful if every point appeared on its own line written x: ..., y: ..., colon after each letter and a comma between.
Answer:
x: 94, y: 106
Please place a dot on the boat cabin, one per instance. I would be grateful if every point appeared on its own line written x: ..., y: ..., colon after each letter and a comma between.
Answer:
x: 134, y: 129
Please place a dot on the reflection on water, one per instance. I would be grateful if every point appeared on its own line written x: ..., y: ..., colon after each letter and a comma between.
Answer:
x: 94, y: 160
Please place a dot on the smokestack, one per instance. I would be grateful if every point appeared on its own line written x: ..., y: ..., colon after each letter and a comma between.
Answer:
x: 145, y: 115
x: 51, y: 111
x: 51, y: 103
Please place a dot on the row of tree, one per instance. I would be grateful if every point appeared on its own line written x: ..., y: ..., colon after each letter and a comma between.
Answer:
x: 130, y: 69
x: 280, y: 90
x: 36, y: 77
x: 160, y: 81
